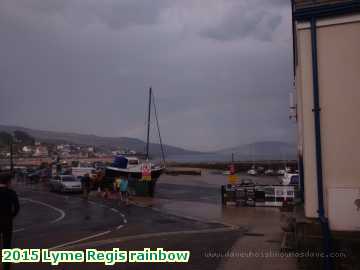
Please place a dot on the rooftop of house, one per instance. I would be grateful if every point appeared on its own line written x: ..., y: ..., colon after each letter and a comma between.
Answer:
x: 316, y: 3
x: 304, y: 9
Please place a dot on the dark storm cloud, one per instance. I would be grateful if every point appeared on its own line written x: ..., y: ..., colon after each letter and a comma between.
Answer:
x: 124, y: 13
x: 252, y: 19
x: 85, y: 66
x: 113, y: 13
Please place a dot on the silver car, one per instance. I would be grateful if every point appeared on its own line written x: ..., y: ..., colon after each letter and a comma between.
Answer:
x: 65, y: 183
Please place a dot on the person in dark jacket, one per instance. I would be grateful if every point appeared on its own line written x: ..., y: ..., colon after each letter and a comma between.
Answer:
x: 86, y: 185
x: 9, y: 208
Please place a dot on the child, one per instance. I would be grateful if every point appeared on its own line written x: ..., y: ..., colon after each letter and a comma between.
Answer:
x: 85, y: 185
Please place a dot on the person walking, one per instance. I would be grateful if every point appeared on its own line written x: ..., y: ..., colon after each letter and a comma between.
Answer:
x: 117, y: 185
x: 85, y: 185
x: 9, y: 208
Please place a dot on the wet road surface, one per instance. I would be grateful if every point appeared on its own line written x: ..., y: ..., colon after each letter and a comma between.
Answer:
x: 66, y: 221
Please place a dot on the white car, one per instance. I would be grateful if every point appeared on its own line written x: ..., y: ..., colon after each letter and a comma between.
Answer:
x: 65, y: 183
x: 290, y: 179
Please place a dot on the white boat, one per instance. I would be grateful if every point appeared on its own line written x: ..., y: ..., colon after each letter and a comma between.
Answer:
x: 269, y: 172
x: 290, y: 179
x: 252, y: 172
x: 131, y: 166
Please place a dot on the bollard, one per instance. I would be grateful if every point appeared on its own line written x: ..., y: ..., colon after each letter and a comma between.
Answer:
x: 223, y: 201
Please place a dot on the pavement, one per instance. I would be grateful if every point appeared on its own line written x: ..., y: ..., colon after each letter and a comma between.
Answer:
x: 257, y: 248
x: 186, y: 214
x: 263, y: 234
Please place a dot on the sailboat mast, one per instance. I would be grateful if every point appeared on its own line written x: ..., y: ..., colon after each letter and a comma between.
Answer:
x: 158, y: 129
x: 148, y: 125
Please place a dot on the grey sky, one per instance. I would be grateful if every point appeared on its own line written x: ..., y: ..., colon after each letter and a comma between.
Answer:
x: 221, y: 69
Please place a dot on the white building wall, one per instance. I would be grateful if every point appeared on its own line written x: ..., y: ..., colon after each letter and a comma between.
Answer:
x: 339, y: 86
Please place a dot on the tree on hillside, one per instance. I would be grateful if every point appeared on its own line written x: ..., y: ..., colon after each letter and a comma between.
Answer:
x: 5, y: 138
x: 23, y: 137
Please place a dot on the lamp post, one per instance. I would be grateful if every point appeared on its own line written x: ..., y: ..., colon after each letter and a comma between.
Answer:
x: 11, y: 158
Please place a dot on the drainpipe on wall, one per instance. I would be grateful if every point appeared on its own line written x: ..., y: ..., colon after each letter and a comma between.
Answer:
x: 300, y: 158
x: 301, y: 176
x: 293, y: 38
x: 328, y: 265
x: 11, y: 159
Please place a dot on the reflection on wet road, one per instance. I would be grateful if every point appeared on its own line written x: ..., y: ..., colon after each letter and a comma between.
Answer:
x: 48, y: 219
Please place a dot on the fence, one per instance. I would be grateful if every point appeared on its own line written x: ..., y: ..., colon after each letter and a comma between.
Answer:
x: 257, y: 195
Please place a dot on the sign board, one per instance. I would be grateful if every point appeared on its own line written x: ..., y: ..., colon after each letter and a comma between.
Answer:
x: 232, y: 169
x: 232, y: 179
x: 146, y: 171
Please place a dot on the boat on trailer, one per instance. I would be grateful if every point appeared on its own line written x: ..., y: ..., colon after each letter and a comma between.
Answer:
x: 133, y: 167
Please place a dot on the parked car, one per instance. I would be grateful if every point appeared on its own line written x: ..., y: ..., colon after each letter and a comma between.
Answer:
x: 65, y: 183
x: 290, y: 179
